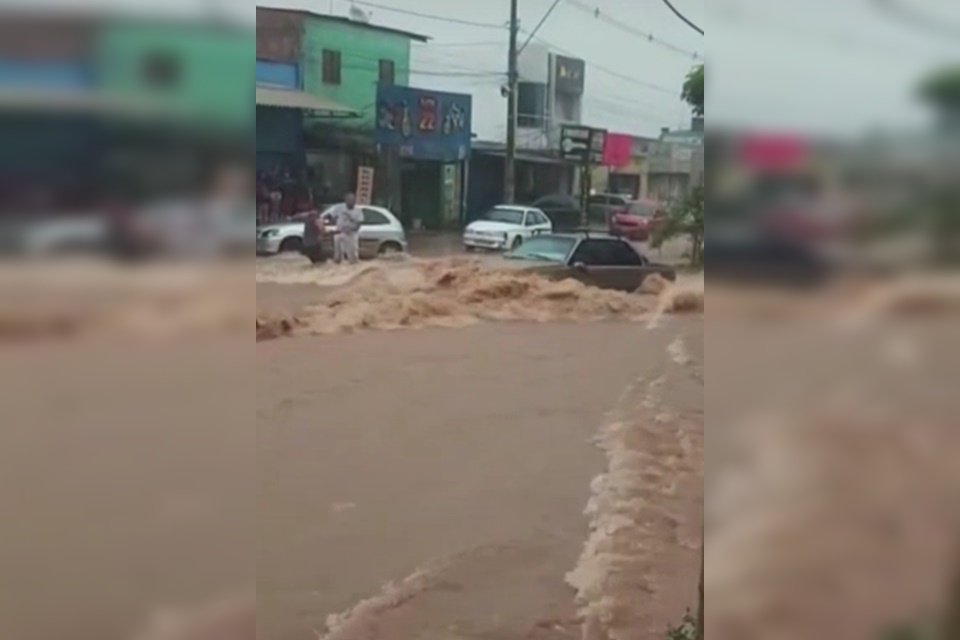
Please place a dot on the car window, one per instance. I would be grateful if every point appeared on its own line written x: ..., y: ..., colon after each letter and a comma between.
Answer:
x: 372, y: 217
x: 595, y: 252
x: 531, y: 220
x: 603, y: 200
x: 545, y: 248
x: 509, y: 216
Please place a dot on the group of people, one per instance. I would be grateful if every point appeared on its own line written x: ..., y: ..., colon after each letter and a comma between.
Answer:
x: 282, y: 195
x: 347, y: 219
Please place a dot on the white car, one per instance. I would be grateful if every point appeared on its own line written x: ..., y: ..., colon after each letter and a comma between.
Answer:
x: 381, y: 233
x: 506, y: 227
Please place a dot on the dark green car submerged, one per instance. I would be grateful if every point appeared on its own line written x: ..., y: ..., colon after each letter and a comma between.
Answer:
x: 595, y: 259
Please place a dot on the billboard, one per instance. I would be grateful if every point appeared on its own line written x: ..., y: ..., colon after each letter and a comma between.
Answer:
x: 582, y: 145
x: 569, y: 75
x: 424, y: 124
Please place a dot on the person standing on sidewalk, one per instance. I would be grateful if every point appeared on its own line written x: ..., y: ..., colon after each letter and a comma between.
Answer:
x: 349, y: 219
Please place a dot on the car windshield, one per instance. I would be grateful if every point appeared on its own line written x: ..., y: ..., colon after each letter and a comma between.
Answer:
x: 509, y: 216
x: 545, y: 248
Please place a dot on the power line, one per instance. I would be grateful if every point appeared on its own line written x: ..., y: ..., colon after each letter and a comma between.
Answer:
x: 430, y: 16
x: 489, y: 43
x: 616, y: 74
x: 454, y: 67
x: 539, y: 24
x: 685, y: 19
x: 623, y: 26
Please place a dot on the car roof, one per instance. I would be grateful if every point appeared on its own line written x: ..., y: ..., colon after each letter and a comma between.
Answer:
x: 578, y: 235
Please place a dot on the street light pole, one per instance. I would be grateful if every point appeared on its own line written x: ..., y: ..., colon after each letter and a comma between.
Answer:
x: 509, y: 165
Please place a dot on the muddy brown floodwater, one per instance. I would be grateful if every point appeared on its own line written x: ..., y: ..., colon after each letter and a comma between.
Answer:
x: 433, y: 483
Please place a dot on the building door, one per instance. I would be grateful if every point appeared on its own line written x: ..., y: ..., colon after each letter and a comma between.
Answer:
x: 421, y: 190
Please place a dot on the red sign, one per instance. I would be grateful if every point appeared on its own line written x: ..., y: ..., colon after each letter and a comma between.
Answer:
x: 618, y: 150
x: 773, y: 152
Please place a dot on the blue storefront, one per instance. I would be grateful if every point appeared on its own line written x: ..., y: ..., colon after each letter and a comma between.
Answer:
x: 429, y: 134
x: 279, y: 130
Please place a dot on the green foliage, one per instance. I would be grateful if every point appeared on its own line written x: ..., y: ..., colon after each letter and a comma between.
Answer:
x: 941, y: 89
x: 686, y: 630
x: 685, y: 219
x: 693, y: 90
x: 913, y: 632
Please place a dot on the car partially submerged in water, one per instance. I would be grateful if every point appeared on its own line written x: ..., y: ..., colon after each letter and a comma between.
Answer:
x: 597, y: 260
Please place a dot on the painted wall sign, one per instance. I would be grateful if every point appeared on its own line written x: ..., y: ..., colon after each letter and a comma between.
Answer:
x: 424, y: 125
x: 569, y: 75
x: 364, y: 185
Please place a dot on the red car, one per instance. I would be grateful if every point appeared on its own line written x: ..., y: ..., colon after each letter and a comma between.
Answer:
x: 637, y: 220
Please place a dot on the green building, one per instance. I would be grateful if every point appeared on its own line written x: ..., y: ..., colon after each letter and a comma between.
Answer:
x: 199, y: 73
x: 338, y: 63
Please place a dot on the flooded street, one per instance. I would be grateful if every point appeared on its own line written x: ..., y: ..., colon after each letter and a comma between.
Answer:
x: 433, y: 483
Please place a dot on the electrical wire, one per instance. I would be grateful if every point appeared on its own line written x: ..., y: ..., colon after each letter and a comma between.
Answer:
x: 684, y: 18
x: 623, y: 26
x: 429, y: 16
x: 490, y: 43
x: 616, y: 74
x: 539, y: 24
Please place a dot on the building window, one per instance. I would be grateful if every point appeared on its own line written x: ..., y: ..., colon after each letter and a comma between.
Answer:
x: 386, y: 72
x: 160, y: 70
x: 331, y: 67
x: 531, y: 105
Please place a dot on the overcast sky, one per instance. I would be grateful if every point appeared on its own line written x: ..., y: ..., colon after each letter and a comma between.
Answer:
x: 823, y: 66
x: 838, y: 67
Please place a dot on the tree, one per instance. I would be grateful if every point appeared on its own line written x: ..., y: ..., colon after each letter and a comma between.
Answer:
x: 686, y: 219
x: 693, y: 90
x: 941, y: 89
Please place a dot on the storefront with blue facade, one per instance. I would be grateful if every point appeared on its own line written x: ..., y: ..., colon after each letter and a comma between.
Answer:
x: 429, y: 132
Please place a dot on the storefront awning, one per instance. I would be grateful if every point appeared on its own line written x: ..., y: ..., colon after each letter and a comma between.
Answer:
x: 523, y: 157
x: 289, y: 99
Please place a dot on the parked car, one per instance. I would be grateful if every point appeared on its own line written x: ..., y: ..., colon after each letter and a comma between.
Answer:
x: 180, y: 227
x: 564, y: 211
x: 506, y: 227
x: 54, y: 235
x: 597, y: 260
x: 601, y: 206
x: 381, y: 233
x: 637, y: 220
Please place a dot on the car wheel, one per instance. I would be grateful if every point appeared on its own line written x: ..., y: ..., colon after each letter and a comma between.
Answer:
x: 390, y: 249
x: 291, y: 244
x: 516, y: 242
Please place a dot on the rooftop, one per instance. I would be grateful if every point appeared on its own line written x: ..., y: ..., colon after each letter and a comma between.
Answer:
x: 343, y: 19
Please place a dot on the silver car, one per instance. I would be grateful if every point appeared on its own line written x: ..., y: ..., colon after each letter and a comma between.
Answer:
x: 381, y: 233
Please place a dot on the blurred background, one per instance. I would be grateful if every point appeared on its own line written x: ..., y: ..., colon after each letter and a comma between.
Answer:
x: 127, y: 461
x: 833, y: 136
x: 125, y: 125
x: 833, y: 204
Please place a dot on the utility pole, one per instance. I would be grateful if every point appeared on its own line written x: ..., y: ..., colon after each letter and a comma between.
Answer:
x: 509, y: 164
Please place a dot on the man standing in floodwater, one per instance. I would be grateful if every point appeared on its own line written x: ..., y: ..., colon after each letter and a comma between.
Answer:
x: 349, y: 218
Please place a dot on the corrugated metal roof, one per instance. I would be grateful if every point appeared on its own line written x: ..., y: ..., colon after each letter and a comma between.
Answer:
x: 342, y: 19
x: 288, y: 99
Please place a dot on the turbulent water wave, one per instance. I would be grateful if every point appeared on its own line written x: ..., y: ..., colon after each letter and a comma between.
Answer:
x: 638, y: 511
x: 459, y: 293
